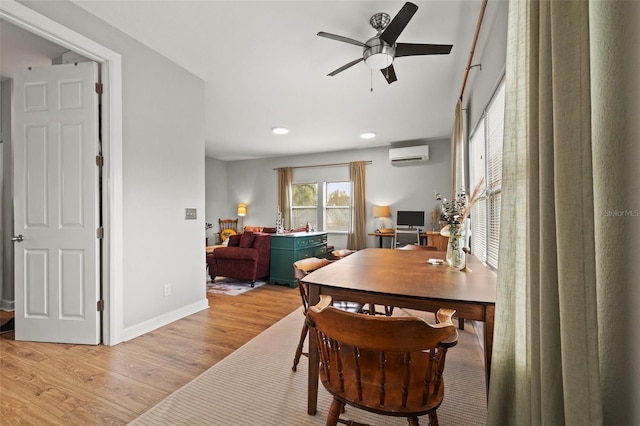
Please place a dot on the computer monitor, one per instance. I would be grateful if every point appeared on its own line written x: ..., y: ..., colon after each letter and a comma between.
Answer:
x: 412, y: 219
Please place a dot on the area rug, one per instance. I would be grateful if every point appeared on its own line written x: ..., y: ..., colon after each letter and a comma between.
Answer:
x: 254, y: 386
x: 231, y: 286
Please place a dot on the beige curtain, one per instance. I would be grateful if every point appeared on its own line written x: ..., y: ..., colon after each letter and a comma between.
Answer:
x: 457, y: 150
x: 284, y: 195
x: 563, y: 352
x: 357, y: 238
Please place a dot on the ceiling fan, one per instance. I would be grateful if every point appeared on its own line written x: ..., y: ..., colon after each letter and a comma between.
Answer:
x: 380, y: 50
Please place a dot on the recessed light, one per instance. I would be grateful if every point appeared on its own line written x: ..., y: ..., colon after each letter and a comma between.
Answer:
x: 280, y: 130
x: 368, y: 135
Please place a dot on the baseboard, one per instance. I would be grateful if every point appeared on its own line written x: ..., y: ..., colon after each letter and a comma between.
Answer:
x: 164, y: 319
x: 7, y: 305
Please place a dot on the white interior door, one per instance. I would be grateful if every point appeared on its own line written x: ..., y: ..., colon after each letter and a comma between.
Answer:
x: 56, y: 204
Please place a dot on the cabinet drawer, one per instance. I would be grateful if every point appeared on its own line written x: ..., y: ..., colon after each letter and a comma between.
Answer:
x: 317, y: 251
x: 309, y: 241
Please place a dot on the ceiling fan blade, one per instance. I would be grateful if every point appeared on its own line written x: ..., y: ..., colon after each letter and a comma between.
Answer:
x: 344, y: 67
x: 389, y: 74
x: 397, y: 24
x: 341, y: 38
x: 412, y: 49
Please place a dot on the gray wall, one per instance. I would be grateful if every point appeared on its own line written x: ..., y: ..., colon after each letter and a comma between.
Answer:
x: 218, y: 205
x: 491, y: 56
x: 162, y: 174
x: 6, y: 218
x: 408, y: 187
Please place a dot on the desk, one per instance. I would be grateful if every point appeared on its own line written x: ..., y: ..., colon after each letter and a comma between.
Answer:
x: 381, y: 235
x: 403, y: 278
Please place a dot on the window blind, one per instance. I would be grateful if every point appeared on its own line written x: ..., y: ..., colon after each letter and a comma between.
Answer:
x: 485, y: 161
x: 495, y: 133
x: 477, y: 171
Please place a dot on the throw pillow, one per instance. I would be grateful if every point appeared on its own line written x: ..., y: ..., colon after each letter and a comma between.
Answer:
x: 247, y: 239
x: 226, y: 233
x: 234, y: 241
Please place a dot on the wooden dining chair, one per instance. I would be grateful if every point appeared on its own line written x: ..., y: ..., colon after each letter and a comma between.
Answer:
x: 386, y: 365
x: 301, y: 268
x: 429, y: 248
x: 228, y: 227
x: 339, y: 254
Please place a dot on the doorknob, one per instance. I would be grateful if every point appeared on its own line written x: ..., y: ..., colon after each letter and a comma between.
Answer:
x: 17, y: 238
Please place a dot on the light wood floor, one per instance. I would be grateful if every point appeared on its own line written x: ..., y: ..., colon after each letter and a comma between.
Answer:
x: 60, y: 384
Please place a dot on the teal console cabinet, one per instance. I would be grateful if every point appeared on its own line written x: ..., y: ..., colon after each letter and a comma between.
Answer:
x: 287, y: 248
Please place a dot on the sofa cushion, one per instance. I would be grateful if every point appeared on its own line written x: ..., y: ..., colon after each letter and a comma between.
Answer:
x: 247, y: 239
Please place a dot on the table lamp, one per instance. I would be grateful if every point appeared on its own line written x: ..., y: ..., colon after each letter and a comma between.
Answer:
x: 381, y: 212
x: 242, y: 212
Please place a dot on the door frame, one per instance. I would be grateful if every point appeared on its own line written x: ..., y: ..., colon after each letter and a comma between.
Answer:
x: 111, y: 112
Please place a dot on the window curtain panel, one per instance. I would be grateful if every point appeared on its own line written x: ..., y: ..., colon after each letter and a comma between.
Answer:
x: 284, y: 195
x: 563, y: 351
x: 457, y: 150
x: 357, y: 238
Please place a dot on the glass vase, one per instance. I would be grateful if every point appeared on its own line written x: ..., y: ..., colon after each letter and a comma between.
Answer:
x: 455, y: 254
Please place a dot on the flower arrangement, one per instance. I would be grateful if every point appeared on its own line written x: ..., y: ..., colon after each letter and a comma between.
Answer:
x: 455, y: 211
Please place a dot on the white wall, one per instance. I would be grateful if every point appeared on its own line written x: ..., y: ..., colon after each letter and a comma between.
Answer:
x: 162, y: 174
x: 409, y: 187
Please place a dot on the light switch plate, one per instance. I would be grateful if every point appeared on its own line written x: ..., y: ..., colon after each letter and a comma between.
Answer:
x: 190, y: 213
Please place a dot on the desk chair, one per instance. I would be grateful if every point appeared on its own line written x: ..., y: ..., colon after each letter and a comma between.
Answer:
x: 301, y: 268
x: 386, y: 365
x: 404, y: 236
x: 417, y: 247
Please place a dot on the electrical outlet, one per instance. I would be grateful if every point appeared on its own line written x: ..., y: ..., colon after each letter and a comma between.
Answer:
x: 167, y: 289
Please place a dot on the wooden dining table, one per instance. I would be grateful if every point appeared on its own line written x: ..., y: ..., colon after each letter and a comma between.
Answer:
x: 405, y: 279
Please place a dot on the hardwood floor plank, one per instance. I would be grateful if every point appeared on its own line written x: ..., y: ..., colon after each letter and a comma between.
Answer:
x: 60, y: 384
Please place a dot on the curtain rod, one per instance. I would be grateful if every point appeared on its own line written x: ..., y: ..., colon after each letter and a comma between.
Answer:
x: 368, y: 162
x: 473, y: 46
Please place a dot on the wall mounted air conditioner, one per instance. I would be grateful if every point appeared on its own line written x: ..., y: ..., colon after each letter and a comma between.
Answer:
x: 409, y: 154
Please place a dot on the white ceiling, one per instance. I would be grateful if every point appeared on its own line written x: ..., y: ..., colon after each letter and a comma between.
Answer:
x: 264, y: 66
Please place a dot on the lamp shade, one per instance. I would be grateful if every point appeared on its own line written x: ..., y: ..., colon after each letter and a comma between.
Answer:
x: 381, y: 211
x: 242, y: 209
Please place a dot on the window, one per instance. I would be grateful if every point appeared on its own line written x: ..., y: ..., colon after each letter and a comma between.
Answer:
x: 334, y: 202
x: 485, y: 161
x: 304, y: 208
x: 337, y: 206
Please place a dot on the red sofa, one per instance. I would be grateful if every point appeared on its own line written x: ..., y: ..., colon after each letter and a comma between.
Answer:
x: 246, y: 257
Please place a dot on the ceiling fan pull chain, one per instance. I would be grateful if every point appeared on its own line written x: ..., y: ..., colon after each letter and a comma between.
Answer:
x: 371, y: 80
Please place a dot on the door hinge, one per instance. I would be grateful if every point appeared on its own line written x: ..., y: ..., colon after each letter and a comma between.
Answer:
x: 99, y: 88
x: 100, y: 233
x: 100, y: 305
x: 99, y: 160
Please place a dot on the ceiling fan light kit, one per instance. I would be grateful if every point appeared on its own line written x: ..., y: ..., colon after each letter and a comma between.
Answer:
x: 380, y: 50
x: 377, y: 54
